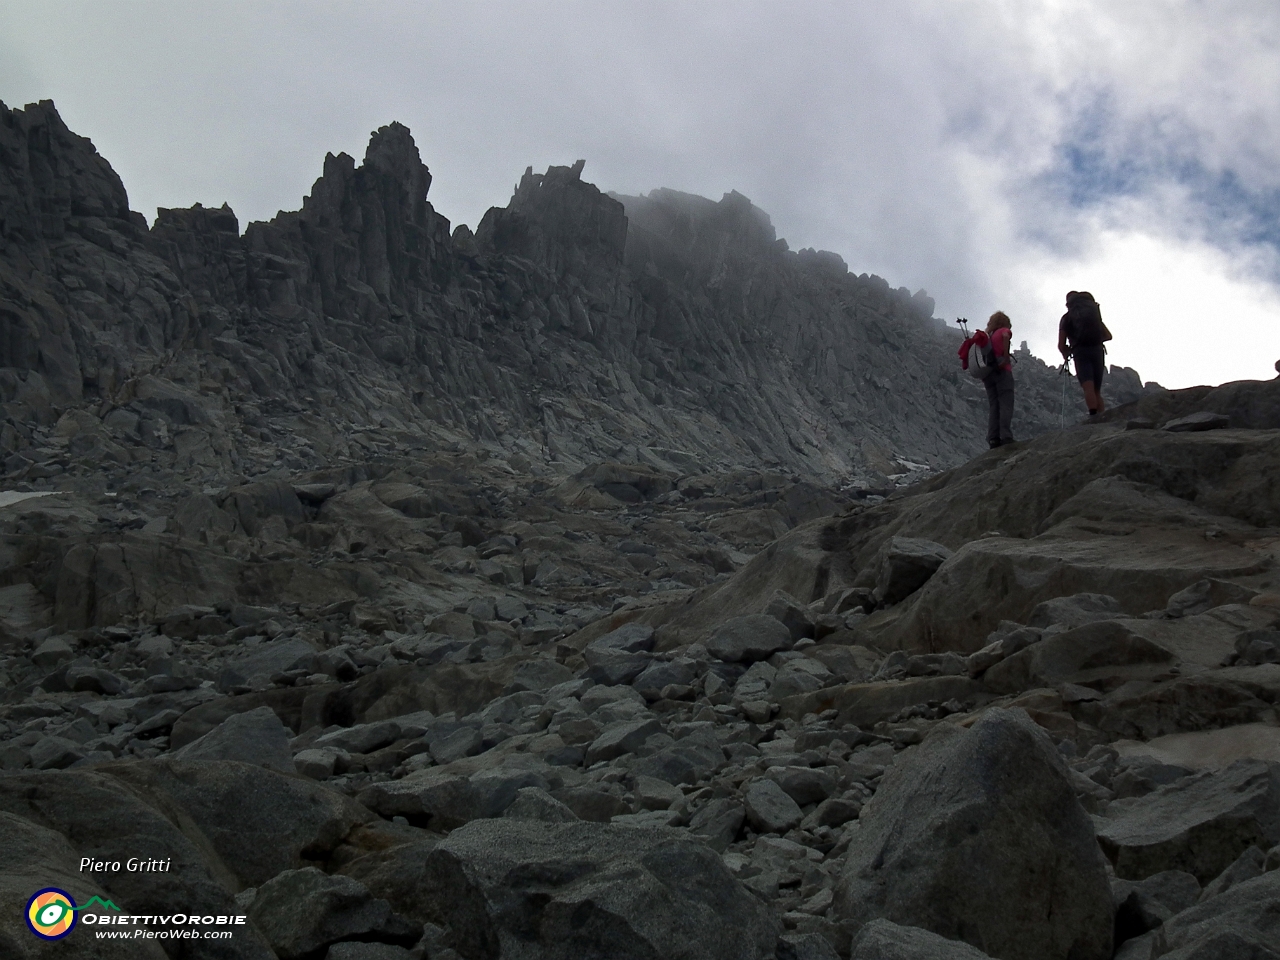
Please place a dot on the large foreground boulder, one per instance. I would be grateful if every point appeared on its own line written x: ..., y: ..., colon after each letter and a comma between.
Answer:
x: 32, y: 858
x: 513, y: 888
x: 978, y: 836
x: 51, y: 819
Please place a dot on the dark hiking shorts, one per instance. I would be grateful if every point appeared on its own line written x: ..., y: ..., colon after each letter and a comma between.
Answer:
x: 1091, y: 364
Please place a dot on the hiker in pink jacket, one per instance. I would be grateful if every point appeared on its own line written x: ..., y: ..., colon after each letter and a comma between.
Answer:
x: 1000, y: 383
x: 985, y: 355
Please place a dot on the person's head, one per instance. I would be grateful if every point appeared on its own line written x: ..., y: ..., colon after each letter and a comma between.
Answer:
x: 998, y: 319
x: 1079, y: 296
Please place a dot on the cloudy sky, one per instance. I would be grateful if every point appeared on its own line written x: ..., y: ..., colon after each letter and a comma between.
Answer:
x: 995, y: 153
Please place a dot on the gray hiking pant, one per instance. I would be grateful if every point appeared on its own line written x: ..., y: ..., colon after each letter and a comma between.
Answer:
x: 999, y: 407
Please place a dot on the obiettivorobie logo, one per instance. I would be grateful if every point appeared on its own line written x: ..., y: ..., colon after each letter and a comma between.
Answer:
x: 51, y: 913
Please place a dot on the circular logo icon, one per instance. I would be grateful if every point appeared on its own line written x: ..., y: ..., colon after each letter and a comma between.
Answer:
x: 51, y: 913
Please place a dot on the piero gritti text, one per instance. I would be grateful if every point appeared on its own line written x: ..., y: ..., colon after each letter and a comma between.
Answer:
x: 132, y: 865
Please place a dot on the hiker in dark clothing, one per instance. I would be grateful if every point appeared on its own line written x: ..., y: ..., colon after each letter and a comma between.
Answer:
x: 1082, y: 335
x: 999, y: 383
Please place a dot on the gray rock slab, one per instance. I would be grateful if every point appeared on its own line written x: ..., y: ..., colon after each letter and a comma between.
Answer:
x: 690, y: 759
x: 1192, y: 423
x: 768, y: 807
x: 566, y: 891
x: 51, y: 652
x: 884, y: 940
x: 354, y: 950
x: 55, y: 753
x: 611, y: 667
x: 1240, y: 923
x: 272, y: 658
x: 796, y: 618
x: 749, y: 638
x: 1074, y: 611
x: 663, y: 673
x: 1199, y: 824
x: 619, y: 738
x: 905, y: 565
x: 592, y: 804
x: 316, y: 764
x: 628, y: 638
x: 804, y: 785
x: 805, y: 946
x: 258, y: 821
x: 718, y: 822
x: 361, y: 738
x: 448, y: 746
x: 302, y: 911
x: 539, y: 674
x: 534, y: 803
x: 977, y: 835
x: 256, y: 737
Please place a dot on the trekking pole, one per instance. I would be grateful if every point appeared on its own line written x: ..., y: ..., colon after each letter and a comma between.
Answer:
x: 1062, y: 408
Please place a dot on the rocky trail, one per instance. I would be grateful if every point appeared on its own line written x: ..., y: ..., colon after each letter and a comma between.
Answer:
x: 383, y: 677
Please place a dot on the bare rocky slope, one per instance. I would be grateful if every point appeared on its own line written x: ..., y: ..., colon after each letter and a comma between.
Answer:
x: 364, y: 576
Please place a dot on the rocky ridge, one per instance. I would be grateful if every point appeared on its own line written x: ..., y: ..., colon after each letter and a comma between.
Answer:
x: 436, y: 694
x: 570, y: 328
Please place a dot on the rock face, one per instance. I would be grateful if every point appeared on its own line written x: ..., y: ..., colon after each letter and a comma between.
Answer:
x: 579, y: 323
x: 511, y: 888
x: 980, y: 838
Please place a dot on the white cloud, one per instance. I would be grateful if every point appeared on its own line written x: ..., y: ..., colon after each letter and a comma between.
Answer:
x: 1181, y: 312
